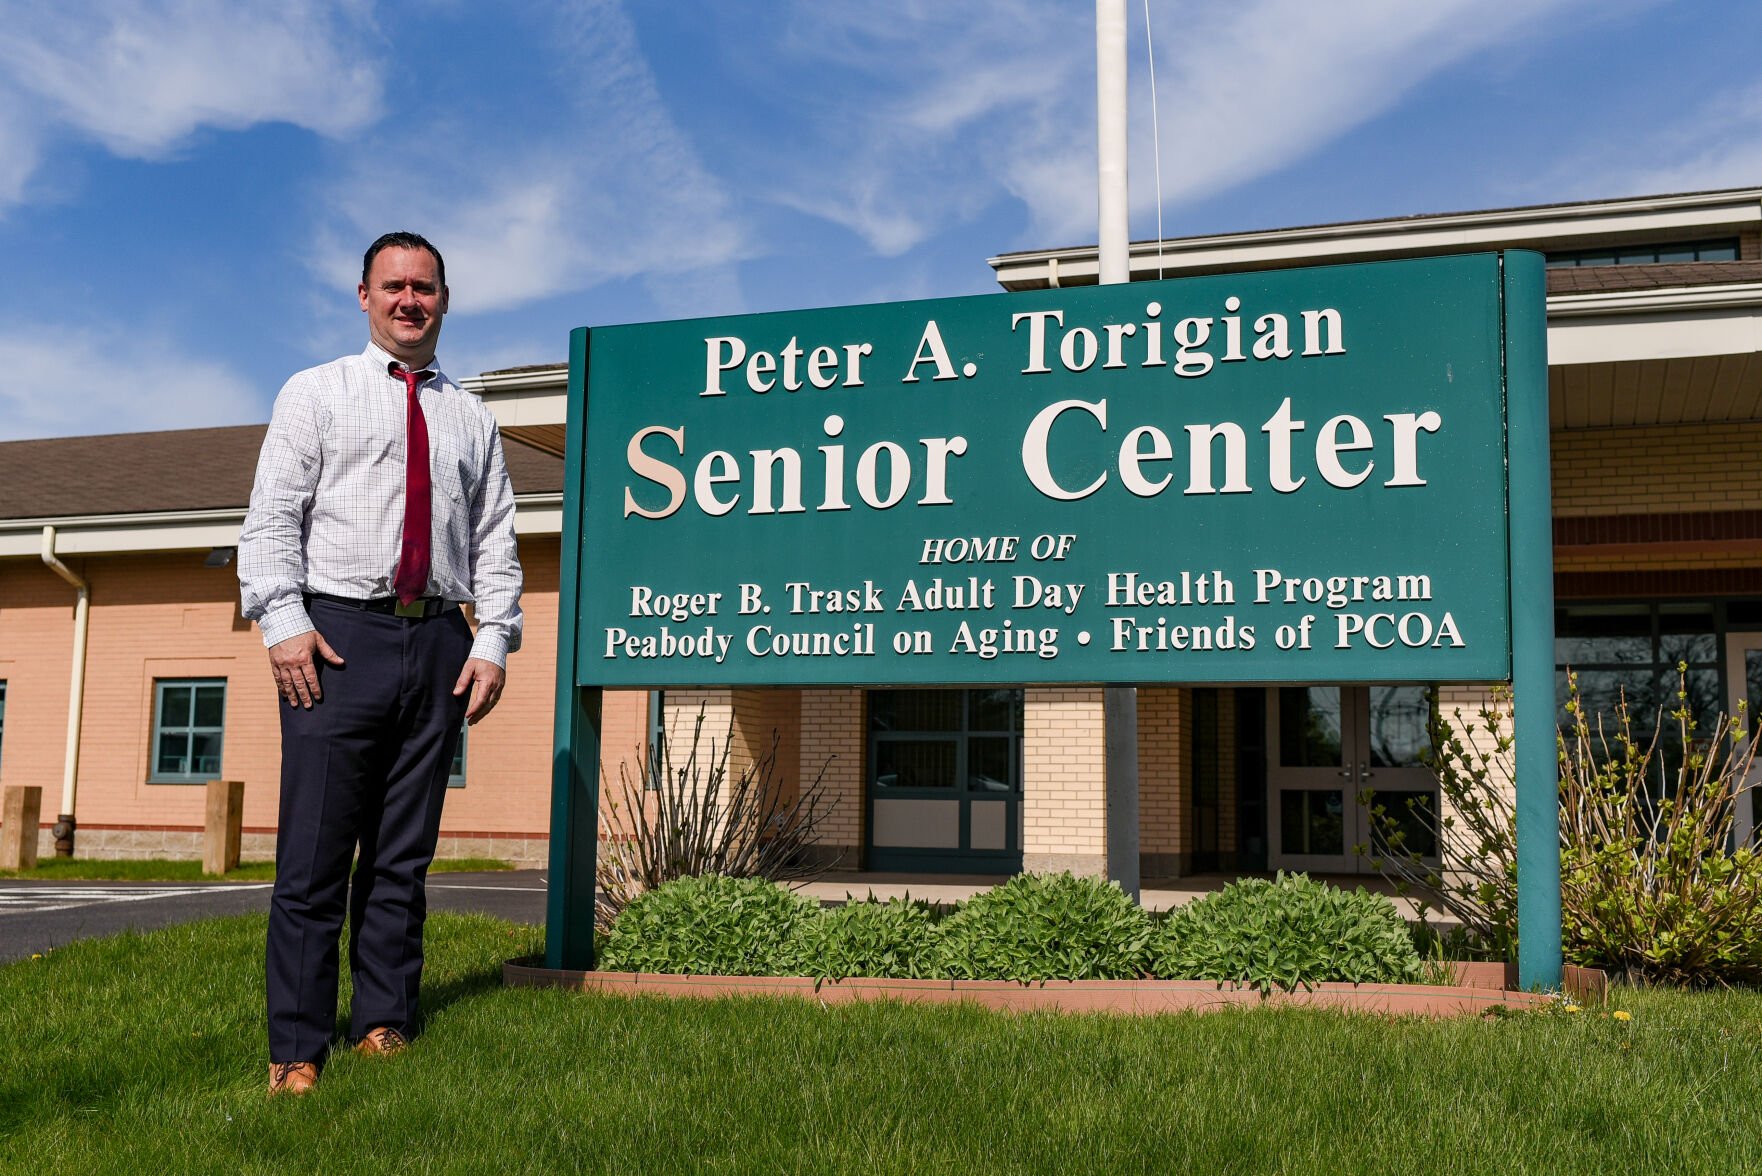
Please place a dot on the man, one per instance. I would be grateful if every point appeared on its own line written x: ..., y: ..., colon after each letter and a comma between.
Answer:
x: 381, y: 503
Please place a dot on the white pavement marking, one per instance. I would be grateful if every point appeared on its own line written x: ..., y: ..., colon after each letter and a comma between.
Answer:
x: 469, y: 886
x: 28, y: 899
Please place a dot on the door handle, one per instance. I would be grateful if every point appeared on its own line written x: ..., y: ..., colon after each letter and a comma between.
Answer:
x: 1364, y: 772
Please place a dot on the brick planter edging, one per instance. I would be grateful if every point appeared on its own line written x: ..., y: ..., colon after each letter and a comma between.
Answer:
x: 1481, y: 988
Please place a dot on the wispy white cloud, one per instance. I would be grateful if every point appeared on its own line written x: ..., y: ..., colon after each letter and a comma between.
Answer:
x: 140, y: 77
x: 938, y: 110
x: 58, y: 382
x: 1246, y: 90
x: 945, y: 109
x: 598, y: 186
x: 1715, y: 144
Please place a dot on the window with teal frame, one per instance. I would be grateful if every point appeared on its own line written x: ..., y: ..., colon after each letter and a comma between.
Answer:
x: 456, y: 773
x: 189, y: 723
x: 657, y: 754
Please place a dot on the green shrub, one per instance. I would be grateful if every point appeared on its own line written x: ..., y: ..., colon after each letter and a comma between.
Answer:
x: 1046, y: 927
x: 893, y: 939
x: 1651, y: 885
x: 1285, y: 933
x: 708, y: 926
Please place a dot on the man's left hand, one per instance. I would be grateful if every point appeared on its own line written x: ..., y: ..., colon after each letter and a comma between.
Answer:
x: 484, y: 679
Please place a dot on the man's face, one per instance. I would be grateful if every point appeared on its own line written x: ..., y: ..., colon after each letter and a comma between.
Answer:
x: 405, y: 303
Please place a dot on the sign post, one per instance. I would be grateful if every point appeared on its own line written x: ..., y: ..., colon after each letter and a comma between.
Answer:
x: 1539, y: 961
x: 1291, y: 476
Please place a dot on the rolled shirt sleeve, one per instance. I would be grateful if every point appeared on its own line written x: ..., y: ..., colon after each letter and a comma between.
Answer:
x: 496, y: 577
x: 272, y: 559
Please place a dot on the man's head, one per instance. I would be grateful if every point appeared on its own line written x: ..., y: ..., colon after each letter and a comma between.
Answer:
x: 404, y: 292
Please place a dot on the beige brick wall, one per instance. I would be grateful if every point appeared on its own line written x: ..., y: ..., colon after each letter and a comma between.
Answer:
x: 1460, y: 705
x: 1063, y: 778
x: 165, y: 615
x: 1659, y: 469
x: 36, y: 641
x: 1163, y: 769
x: 833, y: 744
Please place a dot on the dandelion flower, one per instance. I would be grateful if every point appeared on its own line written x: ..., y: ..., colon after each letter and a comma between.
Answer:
x: 1622, y: 1015
x: 1572, y: 1008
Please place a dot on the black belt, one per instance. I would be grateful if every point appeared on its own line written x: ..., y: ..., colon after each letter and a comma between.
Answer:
x: 425, y: 606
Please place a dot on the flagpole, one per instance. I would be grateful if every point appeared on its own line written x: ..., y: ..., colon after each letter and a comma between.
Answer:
x: 1110, y: 137
x: 1119, y: 704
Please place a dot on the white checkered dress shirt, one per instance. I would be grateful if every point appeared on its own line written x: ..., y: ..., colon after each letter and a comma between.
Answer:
x: 327, y: 510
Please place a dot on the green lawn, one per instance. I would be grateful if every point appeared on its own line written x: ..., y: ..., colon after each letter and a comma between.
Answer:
x: 144, y: 1053
x: 101, y: 870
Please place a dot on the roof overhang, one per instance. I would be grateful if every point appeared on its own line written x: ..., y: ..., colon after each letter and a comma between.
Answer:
x: 1557, y: 227
x: 529, y: 405
x: 199, y: 530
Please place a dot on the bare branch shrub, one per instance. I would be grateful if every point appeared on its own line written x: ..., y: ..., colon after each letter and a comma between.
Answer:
x: 679, y: 817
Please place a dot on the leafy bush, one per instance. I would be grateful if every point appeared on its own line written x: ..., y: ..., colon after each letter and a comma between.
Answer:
x: 1285, y: 933
x: 682, y: 815
x: 893, y: 939
x: 712, y: 925
x: 1650, y: 884
x: 1046, y: 927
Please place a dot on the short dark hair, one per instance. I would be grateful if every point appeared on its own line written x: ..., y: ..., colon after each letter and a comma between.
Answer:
x: 402, y: 241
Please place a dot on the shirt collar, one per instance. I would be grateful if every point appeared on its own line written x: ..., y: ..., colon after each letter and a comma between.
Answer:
x: 381, y: 359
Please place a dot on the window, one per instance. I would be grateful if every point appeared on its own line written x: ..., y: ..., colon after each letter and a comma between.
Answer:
x: 456, y: 773
x: 2, y: 716
x: 657, y: 740
x: 189, y: 719
x: 1723, y: 249
x: 1631, y: 650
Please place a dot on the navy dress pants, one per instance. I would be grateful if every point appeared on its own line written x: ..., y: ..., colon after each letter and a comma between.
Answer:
x: 363, y: 777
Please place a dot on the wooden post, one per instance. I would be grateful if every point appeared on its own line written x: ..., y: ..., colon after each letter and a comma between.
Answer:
x: 226, y: 820
x: 23, y: 808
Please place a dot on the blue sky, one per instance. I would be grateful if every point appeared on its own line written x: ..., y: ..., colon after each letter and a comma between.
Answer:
x: 186, y: 185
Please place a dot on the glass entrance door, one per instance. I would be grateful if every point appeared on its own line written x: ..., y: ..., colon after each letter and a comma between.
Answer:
x: 1328, y: 745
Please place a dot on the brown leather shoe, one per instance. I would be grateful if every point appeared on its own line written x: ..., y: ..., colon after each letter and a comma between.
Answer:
x: 383, y: 1042
x: 292, y: 1077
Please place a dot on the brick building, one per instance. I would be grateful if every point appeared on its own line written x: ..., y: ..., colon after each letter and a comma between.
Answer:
x: 1655, y: 386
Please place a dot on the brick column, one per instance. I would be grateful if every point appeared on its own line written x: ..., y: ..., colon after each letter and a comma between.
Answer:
x: 834, y: 744
x: 1165, y: 815
x: 1064, y: 755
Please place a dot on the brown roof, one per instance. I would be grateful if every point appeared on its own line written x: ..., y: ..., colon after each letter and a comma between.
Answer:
x: 1404, y: 218
x: 528, y: 367
x: 183, y: 469
x: 1591, y: 279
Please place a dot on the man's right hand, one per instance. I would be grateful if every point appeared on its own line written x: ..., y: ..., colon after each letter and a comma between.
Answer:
x: 296, y: 675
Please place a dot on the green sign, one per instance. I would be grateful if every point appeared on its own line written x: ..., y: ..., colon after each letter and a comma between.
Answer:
x: 1287, y: 476
x: 1294, y: 476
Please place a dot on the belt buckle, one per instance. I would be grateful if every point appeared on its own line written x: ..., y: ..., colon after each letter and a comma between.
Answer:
x: 416, y: 608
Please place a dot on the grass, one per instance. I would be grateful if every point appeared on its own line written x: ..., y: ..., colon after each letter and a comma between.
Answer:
x: 103, y: 870
x: 145, y: 1053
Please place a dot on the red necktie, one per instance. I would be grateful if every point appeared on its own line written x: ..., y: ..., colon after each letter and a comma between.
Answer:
x: 411, y: 580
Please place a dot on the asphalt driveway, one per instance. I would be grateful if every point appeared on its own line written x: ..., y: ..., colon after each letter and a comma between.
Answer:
x: 41, y: 916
